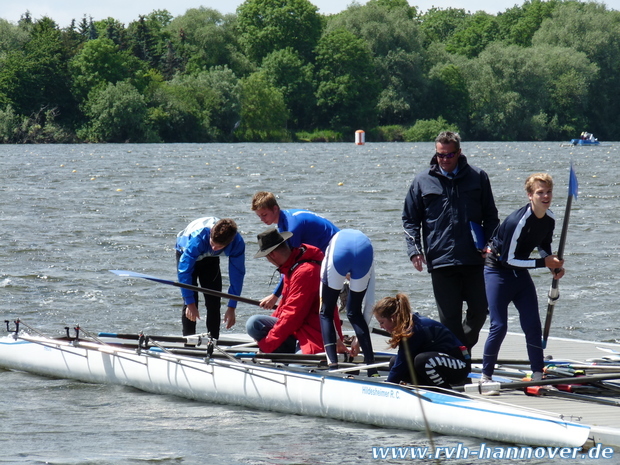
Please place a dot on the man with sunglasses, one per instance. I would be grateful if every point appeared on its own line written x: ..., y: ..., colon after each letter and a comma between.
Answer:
x: 445, y: 205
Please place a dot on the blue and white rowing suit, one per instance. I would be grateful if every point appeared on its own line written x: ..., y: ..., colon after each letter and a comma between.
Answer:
x: 350, y: 252
x: 507, y: 280
x: 307, y: 228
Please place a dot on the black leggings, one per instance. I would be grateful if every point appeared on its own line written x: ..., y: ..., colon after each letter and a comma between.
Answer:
x: 355, y: 316
x: 207, y: 271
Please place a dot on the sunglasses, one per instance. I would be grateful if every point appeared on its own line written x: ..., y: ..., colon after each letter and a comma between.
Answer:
x: 446, y: 155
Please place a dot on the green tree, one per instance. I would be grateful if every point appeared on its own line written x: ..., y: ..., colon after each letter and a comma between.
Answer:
x: 72, y: 39
x: 101, y: 62
x: 347, y: 87
x: 87, y: 29
x: 450, y: 96
x: 203, y: 38
x: 526, y: 94
x: 36, y: 77
x: 172, y: 62
x: 202, y: 107
x: 427, y: 130
x: 117, y: 113
x: 412, y: 12
x: 112, y: 29
x: 438, y: 25
x: 225, y: 109
x: 569, y: 77
x: 593, y: 30
x: 263, y: 111
x: 147, y: 37
x: 268, y: 25
x: 10, y: 123
x: 474, y: 35
x: 398, y: 54
x: 503, y: 85
x: 287, y: 71
x: 518, y: 24
x: 12, y: 37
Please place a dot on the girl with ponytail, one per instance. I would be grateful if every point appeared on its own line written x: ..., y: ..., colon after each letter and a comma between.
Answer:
x: 428, y: 353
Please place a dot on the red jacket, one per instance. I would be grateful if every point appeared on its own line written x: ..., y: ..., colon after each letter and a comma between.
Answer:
x: 298, y: 310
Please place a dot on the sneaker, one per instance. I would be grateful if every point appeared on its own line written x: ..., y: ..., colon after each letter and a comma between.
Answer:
x: 489, y: 389
x: 537, y: 376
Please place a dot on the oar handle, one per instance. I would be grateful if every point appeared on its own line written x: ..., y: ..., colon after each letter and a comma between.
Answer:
x: 380, y: 332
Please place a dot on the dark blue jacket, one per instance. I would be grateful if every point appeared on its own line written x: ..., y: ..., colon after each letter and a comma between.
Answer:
x: 428, y: 336
x: 520, y: 233
x: 438, y: 210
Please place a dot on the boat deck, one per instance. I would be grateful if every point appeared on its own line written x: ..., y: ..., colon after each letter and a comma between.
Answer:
x: 605, y: 418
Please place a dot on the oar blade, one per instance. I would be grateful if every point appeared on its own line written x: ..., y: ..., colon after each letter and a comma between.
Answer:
x: 133, y: 274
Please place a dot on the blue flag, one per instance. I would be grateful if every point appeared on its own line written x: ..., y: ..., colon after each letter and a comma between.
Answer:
x: 573, y: 185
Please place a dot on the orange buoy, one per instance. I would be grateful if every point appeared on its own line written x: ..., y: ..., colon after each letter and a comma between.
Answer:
x: 359, y: 137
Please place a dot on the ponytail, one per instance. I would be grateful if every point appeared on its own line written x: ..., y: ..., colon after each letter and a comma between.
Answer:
x: 397, y: 309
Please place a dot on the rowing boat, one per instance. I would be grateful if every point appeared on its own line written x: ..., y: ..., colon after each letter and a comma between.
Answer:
x: 281, y: 388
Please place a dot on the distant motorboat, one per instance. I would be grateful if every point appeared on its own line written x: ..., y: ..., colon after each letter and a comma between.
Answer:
x: 585, y: 142
x: 585, y: 139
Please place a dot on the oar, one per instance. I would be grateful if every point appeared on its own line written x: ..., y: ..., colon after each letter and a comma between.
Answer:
x: 196, y: 339
x: 554, y: 292
x: 133, y: 274
x: 360, y: 367
x: 578, y: 374
x: 542, y: 391
x: 136, y: 337
x: 479, y: 388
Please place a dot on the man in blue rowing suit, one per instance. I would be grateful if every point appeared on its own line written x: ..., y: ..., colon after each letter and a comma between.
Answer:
x: 507, y: 277
x: 350, y: 253
x: 198, y: 250
x: 307, y: 228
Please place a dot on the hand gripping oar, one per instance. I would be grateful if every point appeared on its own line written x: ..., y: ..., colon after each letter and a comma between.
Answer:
x: 133, y: 274
x: 554, y: 291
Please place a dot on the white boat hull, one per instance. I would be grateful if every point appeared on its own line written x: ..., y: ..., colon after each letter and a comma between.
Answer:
x: 284, y: 390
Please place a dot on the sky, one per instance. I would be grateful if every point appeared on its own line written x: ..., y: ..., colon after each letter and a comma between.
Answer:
x: 126, y: 11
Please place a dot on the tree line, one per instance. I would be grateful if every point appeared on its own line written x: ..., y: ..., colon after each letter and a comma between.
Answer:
x: 277, y: 70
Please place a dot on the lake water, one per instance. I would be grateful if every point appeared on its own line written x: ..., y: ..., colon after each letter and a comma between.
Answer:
x: 70, y: 213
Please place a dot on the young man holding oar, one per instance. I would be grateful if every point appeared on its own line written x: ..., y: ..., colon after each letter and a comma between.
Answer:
x: 198, y: 250
x: 507, y: 277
